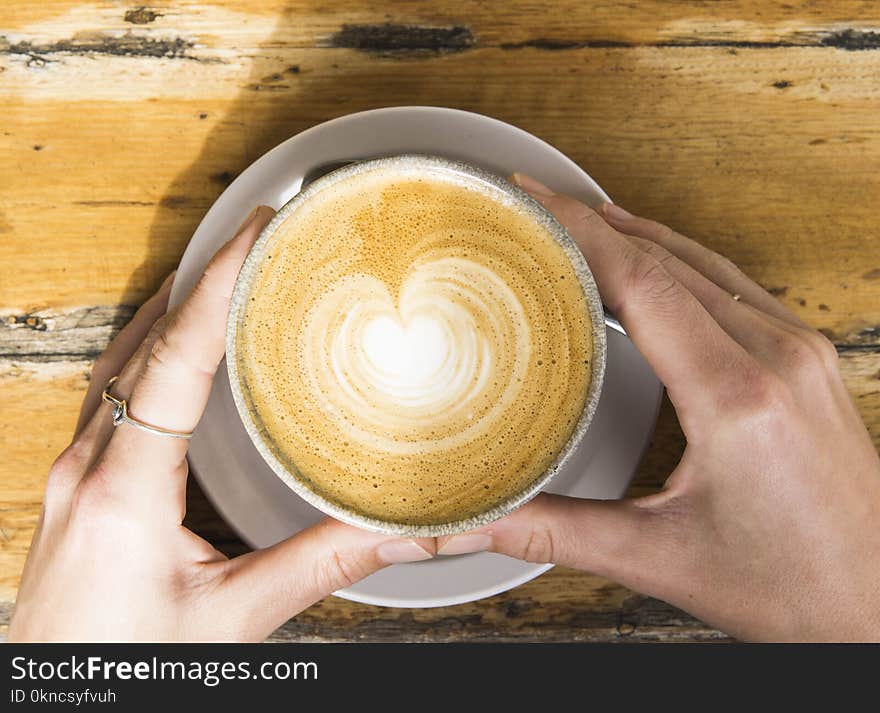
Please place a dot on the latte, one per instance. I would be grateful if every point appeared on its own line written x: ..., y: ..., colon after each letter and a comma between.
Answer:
x: 415, y: 346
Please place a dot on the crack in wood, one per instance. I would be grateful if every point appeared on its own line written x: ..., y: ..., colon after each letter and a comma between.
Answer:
x: 864, y: 348
x: 849, y: 39
x: 401, y: 40
x: 256, y: 87
x: 546, y: 43
x: 127, y: 45
x: 110, y: 203
x: 571, y: 44
x: 47, y: 357
x: 174, y: 201
x: 866, y: 339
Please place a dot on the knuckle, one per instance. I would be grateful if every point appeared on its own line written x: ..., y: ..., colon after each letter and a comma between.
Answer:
x: 724, y: 267
x: 762, y: 403
x: 825, y: 349
x: 208, y: 286
x: 660, y: 232
x: 658, y: 252
x: 65, y: 471
x: 579, y: 219
x: 764, y: 389
x: 808, y: 354
x: 92, y: 500
x: 795, y: 352
x: 157, y: 332
x: 158, y: 328
x: 538, y: 546
x: 649, y: 279
x: 161, y: 349
x: 68, y: 464
x: 581, y: 214
x: 203, y: 284
x: 89, y: 502
x: 337, y: 571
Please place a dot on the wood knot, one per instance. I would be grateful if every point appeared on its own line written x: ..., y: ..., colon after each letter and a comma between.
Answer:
x: 141, y: 16
x: 626, y: 628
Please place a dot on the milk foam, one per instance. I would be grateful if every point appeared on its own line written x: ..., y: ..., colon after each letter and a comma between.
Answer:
x: 415, y: 345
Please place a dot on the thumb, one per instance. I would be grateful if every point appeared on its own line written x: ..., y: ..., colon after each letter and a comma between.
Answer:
x: 263, y: 589
x: 623, y: 540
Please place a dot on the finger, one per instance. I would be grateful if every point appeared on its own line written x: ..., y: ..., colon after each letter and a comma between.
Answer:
x: 121, y: 349
x: 618, y: 539
x: 758, y: 332
x: 97, y: 433
x: 784, y: 346
x: 688, y: 350
x: 716, y: 268
x: 262, y: 590
x: 173, y: 387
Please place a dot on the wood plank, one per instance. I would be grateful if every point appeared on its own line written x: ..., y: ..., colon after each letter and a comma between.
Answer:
x: 662, y: 129
x: 108, y: 228
x: 61, y: 336
x: 49, y: 394
x: 848, y: 24
x: 561, y: 605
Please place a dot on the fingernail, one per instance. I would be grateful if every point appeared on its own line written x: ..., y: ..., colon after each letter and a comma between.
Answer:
x: 529, y: 184
x: 400, y: 551
x: 615, y: 212
x: 247, y: 220
x: 462, y: 544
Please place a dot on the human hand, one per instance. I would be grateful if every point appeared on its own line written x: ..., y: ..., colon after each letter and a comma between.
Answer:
x: 110, y: 559
x: 769, y: 527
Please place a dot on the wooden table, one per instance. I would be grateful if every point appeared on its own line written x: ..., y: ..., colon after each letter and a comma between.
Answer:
x: 752, y: 126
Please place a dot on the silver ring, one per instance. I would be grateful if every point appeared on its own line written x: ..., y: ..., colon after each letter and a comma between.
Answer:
x: 121, y: 415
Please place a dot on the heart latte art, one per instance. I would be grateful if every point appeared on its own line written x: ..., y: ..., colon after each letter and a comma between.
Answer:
x: 415, y: 346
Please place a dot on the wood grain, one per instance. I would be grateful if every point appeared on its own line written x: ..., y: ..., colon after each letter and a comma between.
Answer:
x: 749, y: 126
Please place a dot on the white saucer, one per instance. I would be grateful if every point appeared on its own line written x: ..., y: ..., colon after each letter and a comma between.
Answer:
x: 261, y: 508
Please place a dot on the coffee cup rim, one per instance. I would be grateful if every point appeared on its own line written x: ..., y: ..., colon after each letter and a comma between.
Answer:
x: 244, y: 283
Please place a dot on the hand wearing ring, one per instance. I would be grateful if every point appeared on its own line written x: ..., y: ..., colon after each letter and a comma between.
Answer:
x: 112, y: 559
x: 121, y: 415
